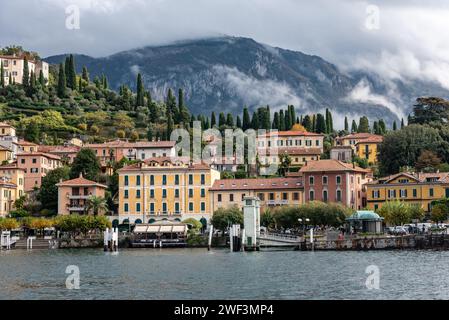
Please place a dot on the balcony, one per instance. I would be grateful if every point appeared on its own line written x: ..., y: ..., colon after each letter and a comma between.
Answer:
x: 77, y: 197
x: 82, y: 209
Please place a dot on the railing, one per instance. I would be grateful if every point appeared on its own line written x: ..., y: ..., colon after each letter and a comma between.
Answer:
x: 77, y: 208
x: 78, y: 197
x: 280, y: 237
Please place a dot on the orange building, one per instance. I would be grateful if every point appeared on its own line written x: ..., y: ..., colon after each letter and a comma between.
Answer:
x: 73, y: 195
x: 36, y: 166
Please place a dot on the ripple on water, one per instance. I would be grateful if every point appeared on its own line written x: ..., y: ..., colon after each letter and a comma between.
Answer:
x: 199, y: 274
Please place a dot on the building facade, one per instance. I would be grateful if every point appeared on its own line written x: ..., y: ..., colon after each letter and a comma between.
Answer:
x: 419, y: 189
x: 36, y: 165
x: 13, y: 68
x: 364, y: 145
x: 11, y: 187
x: 161, y: 188
x: 291, y: 139
x: 73, y: 195
x: 272, y: 192
x: 335, y: 181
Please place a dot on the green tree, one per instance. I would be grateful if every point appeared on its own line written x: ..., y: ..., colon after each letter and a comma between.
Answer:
x: 86, y: 163
x: 246, y: 119
x: 403, y: 147
x: 276, y: 121
x: 61, y: 82
x: 85, y: 75
x: 140, y: 92
x: 48, y: 193
x: 363, y: 125
x: 230, y: 120
x: 239, y: 122
x: 307, y: 123
x: 213, y: 120
x: 429, y: 110
x: 223, y: 218
x: 32, y: 132
x: 320, y: 124
x: 2, y: 75
x: 96, y: 205
x: 395, y: 212
x: 41, y: 80
x: 255, y: 121
x: 439, y: 213
x: 354, y: 127
x: 221, y: 119
x: 346, y: 124
x: 26, y: 72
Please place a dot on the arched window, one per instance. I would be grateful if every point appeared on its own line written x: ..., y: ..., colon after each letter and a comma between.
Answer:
x: 325, y: 197
x: 338, y: 196
x: 311, y: 195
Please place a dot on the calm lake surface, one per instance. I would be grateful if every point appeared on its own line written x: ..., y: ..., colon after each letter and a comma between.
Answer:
x: 219, y: 274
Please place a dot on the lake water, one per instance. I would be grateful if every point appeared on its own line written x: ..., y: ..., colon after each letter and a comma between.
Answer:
x: 219, y: 274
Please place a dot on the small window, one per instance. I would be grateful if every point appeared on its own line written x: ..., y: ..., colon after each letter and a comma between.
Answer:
x: 231, y: 197
x: 219, y: 197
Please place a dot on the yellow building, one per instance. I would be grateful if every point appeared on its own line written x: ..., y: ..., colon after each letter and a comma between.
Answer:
x: 414, y: 188
x: 365, y: 145
x: 11, y: 187
x: 159, y: 189
x: 7, y: 130
x: 6, y: 155
x: 272, y: 192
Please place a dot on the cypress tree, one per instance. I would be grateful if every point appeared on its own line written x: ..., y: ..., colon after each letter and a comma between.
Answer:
x: 170, y: 126
x: 32, y: 80
x: 105, y: 82
x: 255, y: 121
x: 85, y: 75
x: 41, y: 78
x: 292, y: 116
x: 10, y: 80
x: 246, y: 119
x: 221, y: 119
x: 180, y: 98
x: 288, y: 121
x: 2, y: 75
x: 354, y: 127
x: 382, y: 127
x: 329, y: 122
x: 67, y: 71
x: 314, y: 123
x: 281, y: 121
x: 207, y: 124
x: 230, y: 120
x: 276, y: 122
x: 267, y: 125
x: 346, y: 124
x: 213, y: 120
x: 140, y: 92
x: 376, y: 128
x: 395, y: 126
x: 320, y: 124
x: 72, y: 72
x: 61, y: 82
x: 402, y: 123
x: 363, y: 125
x: 150, y: 134
x: 26, y: 73
x: 170, y: 103
x: 307, y: 123
x: 239, y: 122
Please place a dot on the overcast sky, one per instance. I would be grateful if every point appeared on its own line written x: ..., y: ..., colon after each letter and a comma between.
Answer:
x: 411, y: 39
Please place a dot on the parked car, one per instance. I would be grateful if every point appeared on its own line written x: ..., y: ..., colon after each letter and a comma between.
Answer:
x: 389, y: 230
x: 400, y: 230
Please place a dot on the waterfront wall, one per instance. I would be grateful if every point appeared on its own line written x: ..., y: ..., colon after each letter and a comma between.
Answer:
x: 382, y: 243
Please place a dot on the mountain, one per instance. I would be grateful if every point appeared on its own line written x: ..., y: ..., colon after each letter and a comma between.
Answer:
x: 226, y: 73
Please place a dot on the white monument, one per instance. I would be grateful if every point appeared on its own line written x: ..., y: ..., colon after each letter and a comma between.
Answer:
x: 251, y: 221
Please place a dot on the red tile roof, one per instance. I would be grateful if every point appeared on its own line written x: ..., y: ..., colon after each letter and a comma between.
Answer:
x: 27, y: 143
x: 59, y: 149
x: 294, y: 133
x: 257, y: 184
x: 127, y: 144
x: 43, y: 154
x: 331, y: 165
x: 80, y: 182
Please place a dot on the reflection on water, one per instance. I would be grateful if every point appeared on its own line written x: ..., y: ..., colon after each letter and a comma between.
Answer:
x: 218, y: 274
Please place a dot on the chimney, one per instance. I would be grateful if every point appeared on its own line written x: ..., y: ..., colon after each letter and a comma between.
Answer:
x: 81, y: 174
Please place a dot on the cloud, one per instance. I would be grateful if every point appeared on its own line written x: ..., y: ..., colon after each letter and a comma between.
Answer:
x: 410, y: 43
x: 362, y: 93
x: 257, y: 92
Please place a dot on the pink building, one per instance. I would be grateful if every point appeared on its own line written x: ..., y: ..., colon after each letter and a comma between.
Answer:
x: 36, y: 166
x: 66, y: 153
x: 335, y: 181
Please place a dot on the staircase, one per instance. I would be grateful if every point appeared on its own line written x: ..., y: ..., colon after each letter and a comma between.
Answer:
x: 37, y: 244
